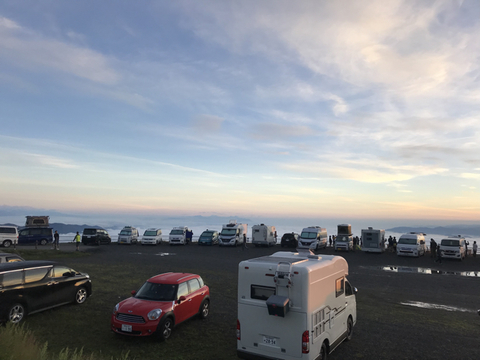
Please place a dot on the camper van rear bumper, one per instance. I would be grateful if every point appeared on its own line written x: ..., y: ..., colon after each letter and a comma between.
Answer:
x: 242, y: 354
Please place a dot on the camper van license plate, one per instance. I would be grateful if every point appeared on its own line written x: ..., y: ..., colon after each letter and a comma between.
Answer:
x: 126, y: 328
x: 269, y: 340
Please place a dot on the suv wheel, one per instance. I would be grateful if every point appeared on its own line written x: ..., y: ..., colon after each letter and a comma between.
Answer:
x: 16, y: 313
x: 7, y: 243
x: 204, y: 309
x: 81, y: 296
x: 43, y: 242
x: 165, y: 328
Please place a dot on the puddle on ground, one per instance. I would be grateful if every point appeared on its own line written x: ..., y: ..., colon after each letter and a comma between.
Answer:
x: 435, y: 306
x: 418, y: 270
x: 159, y: 254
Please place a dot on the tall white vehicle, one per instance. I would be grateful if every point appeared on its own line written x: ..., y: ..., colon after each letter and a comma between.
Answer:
x: 313, y: 237
x: 232, y: 234
x: 344, y: 238
x: 373, y: 240
x: 294, y: 306
x: 264, y: 235
x: 412, y: 244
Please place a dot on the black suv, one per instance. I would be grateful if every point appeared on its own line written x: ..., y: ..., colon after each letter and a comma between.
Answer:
x: 93, y: 236
x: 289, y: 240
x: 28, y: 287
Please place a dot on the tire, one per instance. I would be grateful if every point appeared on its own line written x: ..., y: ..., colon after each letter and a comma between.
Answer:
x: 7, y: 243
x: 323, y: 352
x: 204, y: 309
x: 349, y: 329
x: 81, y: 296
x: 43, y: 242
x: 16, y: 313
x: 165, y: 328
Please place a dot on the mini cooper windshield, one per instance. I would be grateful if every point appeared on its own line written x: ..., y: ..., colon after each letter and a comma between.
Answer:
x: 157, y: 292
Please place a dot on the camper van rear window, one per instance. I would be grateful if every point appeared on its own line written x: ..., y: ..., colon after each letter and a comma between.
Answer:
x: 260, y: 292
x: 339, y: 287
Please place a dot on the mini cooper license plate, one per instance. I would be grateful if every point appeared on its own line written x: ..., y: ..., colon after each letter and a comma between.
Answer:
x: 269, y: 340
x: 126, y: 328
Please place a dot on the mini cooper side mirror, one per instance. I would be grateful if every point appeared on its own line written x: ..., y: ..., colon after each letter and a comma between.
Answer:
x: 181, y: 298
x: 133, y: 292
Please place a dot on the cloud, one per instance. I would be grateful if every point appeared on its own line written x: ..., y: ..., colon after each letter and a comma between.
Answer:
x: 207, y: 123
x: 275, y: 131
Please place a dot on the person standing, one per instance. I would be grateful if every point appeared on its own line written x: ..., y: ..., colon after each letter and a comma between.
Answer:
x: 77, y: 239
x: 439, y: 255
x: 56, y: 240
x: 474, y: 249
x: 433, y: 248
x: 244, y: 241
x: 330, y: 240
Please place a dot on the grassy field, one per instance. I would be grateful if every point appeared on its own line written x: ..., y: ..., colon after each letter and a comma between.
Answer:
x: 385, y: 329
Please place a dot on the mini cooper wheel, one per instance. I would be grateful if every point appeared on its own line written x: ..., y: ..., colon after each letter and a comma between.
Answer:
x: 81, y: 296
x: 16, y: 313
x: 204, y: 309
x: 165, y: 328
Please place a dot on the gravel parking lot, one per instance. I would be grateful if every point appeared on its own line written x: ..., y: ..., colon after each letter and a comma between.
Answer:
x: 408, y: 308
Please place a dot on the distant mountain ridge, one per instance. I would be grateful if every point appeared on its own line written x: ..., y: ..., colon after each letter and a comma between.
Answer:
x: 464, y: 230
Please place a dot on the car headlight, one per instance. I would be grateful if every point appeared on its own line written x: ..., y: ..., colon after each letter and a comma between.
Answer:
x: 115, y: 309
x: 154, y: 314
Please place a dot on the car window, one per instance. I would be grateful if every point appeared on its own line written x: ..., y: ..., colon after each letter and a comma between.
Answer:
x: 7, y: 230
x: 59, y: 271
x: 339, y: 287
x: 348, y: 289
x: 32, y: 275
x: 157, y: 292
x: 182, y: 290
x: 24, y: 232
x: 11, y: 278
x: 194, y: 285
x: 35, y: 231
x: 13, y: 259
x: 200, y: 280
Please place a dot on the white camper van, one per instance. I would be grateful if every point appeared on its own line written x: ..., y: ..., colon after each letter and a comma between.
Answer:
x: 412, y: 244
x: 232, y: 234
x: 264, y: 235
x: 128, y: 235
x: 453, y: 248
x: 293, y: 306
x: 152, y: 236
x: 344, y: 238
x: 373, y: 240
x: 180, y: 235
x: 313, y: 237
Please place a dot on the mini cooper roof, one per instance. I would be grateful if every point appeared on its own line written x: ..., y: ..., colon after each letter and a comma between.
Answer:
x: 19, y: 265
x: 171, y: 278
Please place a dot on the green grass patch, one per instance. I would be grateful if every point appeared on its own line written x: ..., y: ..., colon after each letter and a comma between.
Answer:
x: 43, y: 254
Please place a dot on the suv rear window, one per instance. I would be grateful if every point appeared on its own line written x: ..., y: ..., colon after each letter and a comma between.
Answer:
x: 89, y: 231
x: 11, y: 278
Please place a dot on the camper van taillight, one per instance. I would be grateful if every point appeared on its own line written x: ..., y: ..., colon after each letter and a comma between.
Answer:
x: 238, y: 330
x: 305, y: 342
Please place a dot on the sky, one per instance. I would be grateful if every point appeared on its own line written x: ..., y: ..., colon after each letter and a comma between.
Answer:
x: 278, y: 109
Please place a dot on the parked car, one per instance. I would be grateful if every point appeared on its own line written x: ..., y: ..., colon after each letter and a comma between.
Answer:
x: 28, y: 287
x: 8, y: 235
x: 208, y: 237
x: 8, y: 258
x: 35, y: 235
x: 92, y: 236
x: 152, y: 236
x: 128, y: 235
x: 162, y: 302
x: 289, y: 240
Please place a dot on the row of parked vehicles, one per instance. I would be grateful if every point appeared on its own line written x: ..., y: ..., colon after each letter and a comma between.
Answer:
x: 278, y: 295
x: 37, y: 231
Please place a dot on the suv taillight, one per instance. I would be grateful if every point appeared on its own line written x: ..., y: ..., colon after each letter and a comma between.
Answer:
x: 238, y: 330
x: 305, y: 342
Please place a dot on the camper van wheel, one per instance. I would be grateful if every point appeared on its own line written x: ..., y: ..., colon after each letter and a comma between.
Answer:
x: 349, y: 329
x: 323, y: 352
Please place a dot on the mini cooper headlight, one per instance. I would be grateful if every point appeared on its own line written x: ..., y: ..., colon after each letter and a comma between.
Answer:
x: 154, y: 314
x: 115, y: 309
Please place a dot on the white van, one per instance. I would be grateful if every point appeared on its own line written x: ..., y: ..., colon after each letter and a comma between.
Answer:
x: 8, y: 235
x: 180, y: 235
x: 264, y: 235
x: 412, y: 244
x: 294, y: 306
x: 152, y: 236
x: 232, y: 234
x: 313, y: 237
x: 373, y: 240
x: 128, y: 235
x: 453, y: 248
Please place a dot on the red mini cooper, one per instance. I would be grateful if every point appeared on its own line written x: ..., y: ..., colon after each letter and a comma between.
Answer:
x: 164, y: 301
